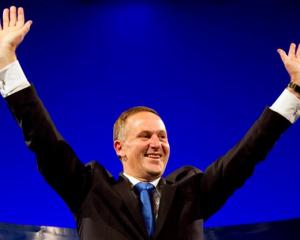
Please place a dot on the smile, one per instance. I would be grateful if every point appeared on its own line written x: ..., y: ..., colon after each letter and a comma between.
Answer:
x: 153, y: 155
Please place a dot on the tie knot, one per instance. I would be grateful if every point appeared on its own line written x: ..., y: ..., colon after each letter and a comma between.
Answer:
x: 142, y: 186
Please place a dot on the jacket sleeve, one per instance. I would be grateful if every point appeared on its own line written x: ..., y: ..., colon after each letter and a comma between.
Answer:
x: 56, y: 160
x: 228, y: 173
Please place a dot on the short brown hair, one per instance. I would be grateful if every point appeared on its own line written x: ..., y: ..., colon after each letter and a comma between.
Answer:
x: 120, y: 122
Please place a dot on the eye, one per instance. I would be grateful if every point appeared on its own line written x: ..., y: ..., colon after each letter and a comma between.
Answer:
x: 163, y: 137
x: 144, y: 135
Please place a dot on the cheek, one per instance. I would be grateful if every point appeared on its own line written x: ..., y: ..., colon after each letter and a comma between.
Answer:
x: 166, y: 149
x: 133, y: 147
x: 138, y: 151
x: 141, y: 148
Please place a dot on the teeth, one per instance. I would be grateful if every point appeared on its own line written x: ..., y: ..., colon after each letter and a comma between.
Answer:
x: 153, y: 155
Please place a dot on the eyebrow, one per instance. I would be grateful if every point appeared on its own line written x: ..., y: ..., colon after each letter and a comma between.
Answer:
x: 151, y: 132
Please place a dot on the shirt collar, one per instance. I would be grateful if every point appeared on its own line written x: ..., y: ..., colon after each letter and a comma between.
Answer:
x: 135, y: 181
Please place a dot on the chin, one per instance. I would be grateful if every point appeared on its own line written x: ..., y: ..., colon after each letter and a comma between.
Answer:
x: 155, y: 172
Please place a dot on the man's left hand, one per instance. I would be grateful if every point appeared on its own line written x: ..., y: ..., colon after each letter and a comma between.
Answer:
x: 291, y: 62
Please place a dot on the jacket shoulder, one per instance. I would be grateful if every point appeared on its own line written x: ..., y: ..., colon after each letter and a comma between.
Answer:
x: 183, y: 174
x: 98, y: 172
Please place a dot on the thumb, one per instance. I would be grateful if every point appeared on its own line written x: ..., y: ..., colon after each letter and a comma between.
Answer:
x: 282, y: 55
x: 25, y: 29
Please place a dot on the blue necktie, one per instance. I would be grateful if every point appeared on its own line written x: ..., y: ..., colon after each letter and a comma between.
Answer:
x: 145, y: 189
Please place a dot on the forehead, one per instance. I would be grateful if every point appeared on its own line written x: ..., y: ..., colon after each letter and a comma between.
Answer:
x: 144, y: 121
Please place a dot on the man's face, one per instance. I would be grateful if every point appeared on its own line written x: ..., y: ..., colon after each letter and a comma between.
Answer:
x: 144, y: 147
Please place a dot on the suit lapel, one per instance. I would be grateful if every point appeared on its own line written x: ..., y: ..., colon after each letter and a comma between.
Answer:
x: 130, y: 200
x: 126, y: 193
x: 167, y: 195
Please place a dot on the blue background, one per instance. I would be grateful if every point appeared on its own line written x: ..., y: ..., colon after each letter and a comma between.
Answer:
x: 209, y: 67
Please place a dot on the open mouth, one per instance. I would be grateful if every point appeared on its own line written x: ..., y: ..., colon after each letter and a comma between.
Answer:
x: 153, y: 155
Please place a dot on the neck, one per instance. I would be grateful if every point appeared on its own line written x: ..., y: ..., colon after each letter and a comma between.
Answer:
x: 142, y: 178
x: 134, y: 180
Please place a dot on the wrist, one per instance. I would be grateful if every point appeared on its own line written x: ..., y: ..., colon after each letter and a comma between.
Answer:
x: 295, y: 78
x: 7, y: 59
x: 294, y: 88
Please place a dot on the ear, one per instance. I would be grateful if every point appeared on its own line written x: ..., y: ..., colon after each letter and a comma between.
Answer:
x: 118, y: 146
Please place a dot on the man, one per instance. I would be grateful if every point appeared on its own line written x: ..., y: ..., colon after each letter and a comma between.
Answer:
x: 140, y: 204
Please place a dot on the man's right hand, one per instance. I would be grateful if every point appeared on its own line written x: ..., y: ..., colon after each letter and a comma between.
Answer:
x: 12, y: 32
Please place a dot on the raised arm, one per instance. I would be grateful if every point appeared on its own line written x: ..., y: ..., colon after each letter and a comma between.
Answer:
x: 56, y: 160
x: 230, y: 172
x: 13, y: 29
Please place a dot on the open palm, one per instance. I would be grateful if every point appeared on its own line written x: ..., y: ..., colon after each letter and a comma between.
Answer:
x: 12, y: 30
x: 292, y: 62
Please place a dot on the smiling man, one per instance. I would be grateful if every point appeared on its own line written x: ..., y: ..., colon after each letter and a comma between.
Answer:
x: 141, y: 204
x: 141, y: 142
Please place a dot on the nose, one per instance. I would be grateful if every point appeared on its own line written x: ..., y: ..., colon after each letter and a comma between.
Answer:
x: 154, y: 141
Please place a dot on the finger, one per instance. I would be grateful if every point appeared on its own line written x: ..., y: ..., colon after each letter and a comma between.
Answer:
x: 298, y: 51
x: 20, y: 17
x: 12, y: 16
x: 292, y: 50
x: 282, y: 55
x: 25, y: 29
x: 5, y: 18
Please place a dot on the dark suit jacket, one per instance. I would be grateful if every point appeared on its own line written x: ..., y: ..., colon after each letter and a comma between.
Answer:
x: 108, y: 209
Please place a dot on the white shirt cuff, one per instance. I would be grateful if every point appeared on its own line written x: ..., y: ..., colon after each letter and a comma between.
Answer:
x: 287, y: 105
x: 12, y: 79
